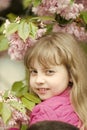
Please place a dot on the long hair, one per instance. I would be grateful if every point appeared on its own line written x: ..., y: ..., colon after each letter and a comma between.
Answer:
x: 62, y: 48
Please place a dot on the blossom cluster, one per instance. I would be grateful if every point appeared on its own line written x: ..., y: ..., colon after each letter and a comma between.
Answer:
x: 84, y: 2
x: 66, y: 8
x: 18, y: 45
x: 16, y: 105
x: 72, y: 28
x: 12, y: 111
x: 53, y: 15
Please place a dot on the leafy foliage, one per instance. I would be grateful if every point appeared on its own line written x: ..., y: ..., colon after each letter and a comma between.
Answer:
x: 17, y: 98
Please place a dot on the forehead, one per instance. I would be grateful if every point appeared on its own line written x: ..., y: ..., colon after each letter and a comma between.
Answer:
x: 44, y: 62
x: 46, y: 54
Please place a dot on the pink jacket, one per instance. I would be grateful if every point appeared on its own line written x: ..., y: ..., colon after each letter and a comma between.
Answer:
x: 55, y: 108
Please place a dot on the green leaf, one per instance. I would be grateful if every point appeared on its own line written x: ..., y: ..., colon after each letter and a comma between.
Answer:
x: 24, y: 127
x: 28, y: 104
x: 23, y: 30
x: 47, y: 18
x: 26, y: 3
x: 32, y: 30
x: 3, y: 43
x: 18, y: 106
x: 71, y: 1
x: 6, y: 112
x: 22, y: 91
x: 6, y: 94
x: 32, y: 98
x: 84, y: 16
x: 12, y: 28
x: 1, y: 107
x: 36, y: 2
x: 1, y: 28
x: 11, y: 17
x: 17, y: 86
x: 61, y: 20
x: 49, y: 28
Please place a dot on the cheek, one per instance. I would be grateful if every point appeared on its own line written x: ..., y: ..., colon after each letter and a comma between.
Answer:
x: 31, y: 82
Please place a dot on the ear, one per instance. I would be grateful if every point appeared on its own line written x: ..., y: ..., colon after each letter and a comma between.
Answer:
x: 70, y: 82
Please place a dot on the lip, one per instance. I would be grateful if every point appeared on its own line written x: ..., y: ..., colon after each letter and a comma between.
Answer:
x: 42, y: 90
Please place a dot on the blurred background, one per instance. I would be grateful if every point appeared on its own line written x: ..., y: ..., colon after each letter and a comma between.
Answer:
x: 10, y: 71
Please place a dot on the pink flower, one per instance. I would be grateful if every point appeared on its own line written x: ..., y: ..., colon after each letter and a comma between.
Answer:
x: 77, y: 31
x: 16, y: 115
x: 71, y: 12
x: 84, y: 2
x: 50, y: 7
x: 40, y: 32
x: 62, y: 7
x: 18, y: 47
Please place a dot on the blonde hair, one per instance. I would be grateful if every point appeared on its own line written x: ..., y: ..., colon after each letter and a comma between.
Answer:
x: 62, y: 48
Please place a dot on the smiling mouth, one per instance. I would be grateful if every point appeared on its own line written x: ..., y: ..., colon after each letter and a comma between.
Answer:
x: 42, y: 90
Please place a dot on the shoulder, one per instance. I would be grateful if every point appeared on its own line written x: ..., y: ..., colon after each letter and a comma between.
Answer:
x: 52, y: 104
x: 42, y: 112
x: 54, y: 109
x: 42, y: 109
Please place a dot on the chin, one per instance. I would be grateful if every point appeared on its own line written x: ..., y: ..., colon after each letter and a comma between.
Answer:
x: 44, y: 98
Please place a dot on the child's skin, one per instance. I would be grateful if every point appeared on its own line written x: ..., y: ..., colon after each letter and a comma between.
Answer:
x: 48, y: 82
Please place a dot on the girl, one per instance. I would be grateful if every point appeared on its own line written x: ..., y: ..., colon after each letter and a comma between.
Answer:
x: 57, y: 66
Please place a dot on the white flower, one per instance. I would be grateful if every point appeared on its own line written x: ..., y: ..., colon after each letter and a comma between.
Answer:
x: 6, y: 26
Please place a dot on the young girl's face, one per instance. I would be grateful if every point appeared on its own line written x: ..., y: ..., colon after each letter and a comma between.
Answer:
x: 48, y: 82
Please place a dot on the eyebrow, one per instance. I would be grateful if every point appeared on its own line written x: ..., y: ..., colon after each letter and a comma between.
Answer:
x: 31, y: 68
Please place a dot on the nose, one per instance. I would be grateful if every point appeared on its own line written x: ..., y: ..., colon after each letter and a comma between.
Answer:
x: 39, y: 79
